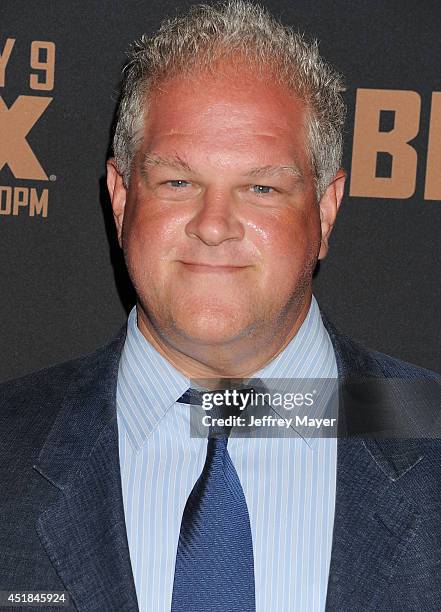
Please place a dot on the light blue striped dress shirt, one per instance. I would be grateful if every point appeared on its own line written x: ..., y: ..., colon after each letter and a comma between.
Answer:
x: 289, y: 483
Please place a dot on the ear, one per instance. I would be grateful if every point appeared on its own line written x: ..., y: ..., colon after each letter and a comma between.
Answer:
x: 118, y: 194
x: 329, y: 205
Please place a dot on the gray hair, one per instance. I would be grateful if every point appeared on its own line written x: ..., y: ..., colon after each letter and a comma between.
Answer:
x: 206, y: 34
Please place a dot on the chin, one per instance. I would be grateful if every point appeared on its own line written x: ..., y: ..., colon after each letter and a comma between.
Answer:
x: 211, y: 327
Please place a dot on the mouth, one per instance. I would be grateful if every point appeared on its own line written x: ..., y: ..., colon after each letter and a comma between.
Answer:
x: 211, y: 268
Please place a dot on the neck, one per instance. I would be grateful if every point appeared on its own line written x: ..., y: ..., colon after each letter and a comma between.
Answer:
x: 210, y: 365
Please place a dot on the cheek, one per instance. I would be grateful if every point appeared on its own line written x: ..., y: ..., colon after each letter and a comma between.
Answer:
x: 149, y: 235
x: 290, y: 241
x: 140, y: 248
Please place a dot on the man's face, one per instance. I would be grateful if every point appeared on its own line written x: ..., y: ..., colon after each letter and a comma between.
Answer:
x: 220, y: 227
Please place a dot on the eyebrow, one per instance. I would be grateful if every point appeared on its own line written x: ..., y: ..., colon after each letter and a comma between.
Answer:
x: 153, y: 159
x: 176, y: 162
x: 272, y: 170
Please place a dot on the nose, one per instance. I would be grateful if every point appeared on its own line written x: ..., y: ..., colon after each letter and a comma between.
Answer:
x: 216, y: 219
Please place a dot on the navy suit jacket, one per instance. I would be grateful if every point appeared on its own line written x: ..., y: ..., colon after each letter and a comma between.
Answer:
x: 62, y: 521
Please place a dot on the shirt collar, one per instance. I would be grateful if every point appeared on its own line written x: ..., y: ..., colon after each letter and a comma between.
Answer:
x: 148, y: 385
x: 309, y: 360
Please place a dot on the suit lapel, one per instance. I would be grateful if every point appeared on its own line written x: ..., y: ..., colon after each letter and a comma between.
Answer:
x: 374, y: 520
x: 83, y: 530
x: 373, y: 524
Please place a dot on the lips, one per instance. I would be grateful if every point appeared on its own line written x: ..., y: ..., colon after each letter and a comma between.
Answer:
x: 206, y: 267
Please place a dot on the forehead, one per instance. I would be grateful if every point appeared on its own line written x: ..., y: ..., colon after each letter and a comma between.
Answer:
x: 230, y: 108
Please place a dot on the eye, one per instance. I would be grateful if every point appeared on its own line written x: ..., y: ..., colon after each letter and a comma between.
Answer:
x: 178, y: 183
x: 262, y: 189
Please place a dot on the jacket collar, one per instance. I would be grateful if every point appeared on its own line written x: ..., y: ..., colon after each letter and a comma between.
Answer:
x: 88, y: 407
x: 377, y: 400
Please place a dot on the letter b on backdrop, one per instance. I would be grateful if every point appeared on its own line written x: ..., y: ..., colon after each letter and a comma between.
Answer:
x: 370, y: 141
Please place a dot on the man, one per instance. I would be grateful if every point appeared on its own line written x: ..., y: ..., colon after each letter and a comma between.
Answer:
x: 225, y: 186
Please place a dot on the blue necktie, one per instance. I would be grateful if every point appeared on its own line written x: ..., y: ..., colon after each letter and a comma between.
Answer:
x: 214, y: 569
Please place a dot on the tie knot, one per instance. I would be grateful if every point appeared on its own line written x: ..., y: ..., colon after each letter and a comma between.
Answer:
x: 230, y: 398
x: 223, y: 406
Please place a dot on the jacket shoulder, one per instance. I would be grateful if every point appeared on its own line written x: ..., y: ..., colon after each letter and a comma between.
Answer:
x: 391, y: 366
x: 355, y: 359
